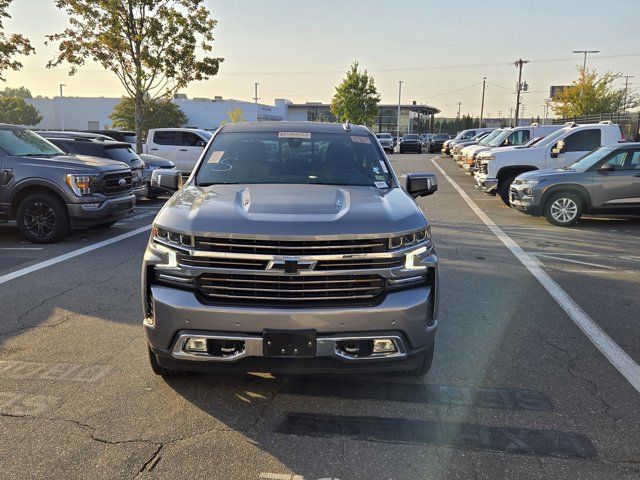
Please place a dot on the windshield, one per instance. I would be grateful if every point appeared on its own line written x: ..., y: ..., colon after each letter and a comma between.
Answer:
x: 26, y: 143
x: 442, y: 136
x: 410, y: 137
x: 552, y: 138
x: 383, y: 135
x: 294, y: 157
x: 499, y: 138
x: 485, y: 141
x: 590, y: 159
x: 205, y: 134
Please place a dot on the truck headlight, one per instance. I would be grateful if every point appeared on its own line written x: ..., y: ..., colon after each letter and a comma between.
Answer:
x: 409, y: 239
x: 81, y: 185
x: 172, y: 239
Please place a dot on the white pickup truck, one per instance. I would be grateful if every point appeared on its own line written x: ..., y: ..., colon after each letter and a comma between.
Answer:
x: 182, y: 146
x: 498, y: 168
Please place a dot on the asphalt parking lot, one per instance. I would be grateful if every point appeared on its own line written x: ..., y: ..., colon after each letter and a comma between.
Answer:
x: 517, y: 389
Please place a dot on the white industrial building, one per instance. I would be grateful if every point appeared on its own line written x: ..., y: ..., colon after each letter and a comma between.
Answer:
x: 92, y: 113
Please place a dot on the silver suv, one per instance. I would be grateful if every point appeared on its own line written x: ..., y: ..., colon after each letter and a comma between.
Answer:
x: 606, y: 180
x: 292, y: 248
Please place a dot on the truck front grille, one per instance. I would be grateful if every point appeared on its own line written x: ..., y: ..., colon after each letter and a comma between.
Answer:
x: 292, y: 247
x: 322, y: 265
x: 294, y: 290
x: 481, y: 167
x: 111, y: 183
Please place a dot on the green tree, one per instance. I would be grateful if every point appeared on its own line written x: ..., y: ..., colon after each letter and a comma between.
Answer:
x: 18, y: 112
x: 160, y: 113
x: 356, y: 98
x: 19, y: 92
x: 590, y: 94
x: 150, y: 45
x: 12, y: 45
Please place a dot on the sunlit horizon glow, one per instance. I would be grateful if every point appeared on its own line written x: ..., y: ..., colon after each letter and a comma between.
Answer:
x: 440, y: 51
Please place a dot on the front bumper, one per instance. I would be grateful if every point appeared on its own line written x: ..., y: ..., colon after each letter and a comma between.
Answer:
x: 486, y: 184
x: 524, y: 203
x: 109, y: 209
x: 410, y: 313
x: 468, y: 168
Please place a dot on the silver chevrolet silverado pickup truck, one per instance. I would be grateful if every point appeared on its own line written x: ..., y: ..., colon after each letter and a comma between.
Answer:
x: 292, y: 248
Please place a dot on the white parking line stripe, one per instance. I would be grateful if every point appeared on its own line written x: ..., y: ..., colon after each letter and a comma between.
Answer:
x: 611, y: 350
x: 20, y: 248
x: 574, y: 261
x: 67, y: 256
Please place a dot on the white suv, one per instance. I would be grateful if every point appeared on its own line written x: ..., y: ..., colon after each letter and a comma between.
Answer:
x: 497, y: 168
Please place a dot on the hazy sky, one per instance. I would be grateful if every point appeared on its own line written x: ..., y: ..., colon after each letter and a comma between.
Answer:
x: 299, y: 49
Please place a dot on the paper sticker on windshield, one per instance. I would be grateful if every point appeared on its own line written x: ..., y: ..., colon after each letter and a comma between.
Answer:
x: 360, y: 139
x: 216, y: 156
x: 384, y: 167
x: 381, y: 185
x: 306, y: 135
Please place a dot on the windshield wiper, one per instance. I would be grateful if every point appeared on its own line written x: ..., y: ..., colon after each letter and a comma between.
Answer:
x: 38, y: 154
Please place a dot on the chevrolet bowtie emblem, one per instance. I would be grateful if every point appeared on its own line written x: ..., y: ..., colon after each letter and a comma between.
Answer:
x: 291, y: 266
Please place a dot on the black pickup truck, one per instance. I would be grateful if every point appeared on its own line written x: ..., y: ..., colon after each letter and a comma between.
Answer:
x: 48, y: 192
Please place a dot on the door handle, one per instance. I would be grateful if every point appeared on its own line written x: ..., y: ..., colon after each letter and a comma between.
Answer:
x: 183, y: 150
x: 153, y: 149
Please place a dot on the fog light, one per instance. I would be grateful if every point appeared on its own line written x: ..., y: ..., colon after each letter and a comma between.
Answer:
x: 528, y: 192
x: 196, y: 345
x: 384, y: 345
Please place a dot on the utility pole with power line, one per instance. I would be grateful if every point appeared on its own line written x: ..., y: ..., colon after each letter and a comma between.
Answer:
x: 255, y: 97
x: 459, y: 105
x: 400, y: 82
x: 519, y: 63
x: 585, y: 53
x: 484, y: 86
x: 626, y: 90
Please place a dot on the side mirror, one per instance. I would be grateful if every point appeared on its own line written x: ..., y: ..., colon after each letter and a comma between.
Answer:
x: 607, y: 167
x: 421, y: 184
x: 167, y: 179
x: 505, y: 143
x: 201, y: 143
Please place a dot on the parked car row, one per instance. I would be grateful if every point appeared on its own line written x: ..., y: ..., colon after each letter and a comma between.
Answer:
x: 559, y: 171
x: 54, y: 182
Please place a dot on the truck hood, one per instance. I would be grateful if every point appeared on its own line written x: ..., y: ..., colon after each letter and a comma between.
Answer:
x: 549, y: 173
x: 278, y: 210
x: 75, y: 164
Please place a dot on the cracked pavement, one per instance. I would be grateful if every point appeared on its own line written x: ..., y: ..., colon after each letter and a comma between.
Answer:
x: 78, y: 399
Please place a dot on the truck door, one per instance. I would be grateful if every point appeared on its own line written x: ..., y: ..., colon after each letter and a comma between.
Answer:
x: 164, y: 144
x: 190, y: 147
x: 576, y: 146
x: 619, y: 187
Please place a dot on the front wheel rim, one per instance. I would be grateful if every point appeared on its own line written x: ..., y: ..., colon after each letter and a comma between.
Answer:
x: 564, y: 210
x: 40, y: 220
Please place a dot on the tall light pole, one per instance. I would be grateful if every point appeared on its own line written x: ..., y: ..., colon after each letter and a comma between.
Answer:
x: 61, y: 108
x: 585, y: 53
x: 519, y: 63
x: 459, y: 105
x: 484, y: 85
x: 255, y: 97
x: 400, y: 82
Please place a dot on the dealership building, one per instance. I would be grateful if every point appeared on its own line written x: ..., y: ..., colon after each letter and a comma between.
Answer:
x: 92, y: 113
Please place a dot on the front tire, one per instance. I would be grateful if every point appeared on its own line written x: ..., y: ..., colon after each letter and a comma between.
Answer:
x: 503, y: 188
x: 42, y: 218
x: 563, y: 209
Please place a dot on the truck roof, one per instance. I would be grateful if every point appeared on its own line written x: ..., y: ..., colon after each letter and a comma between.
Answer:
x: 307, y: 127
